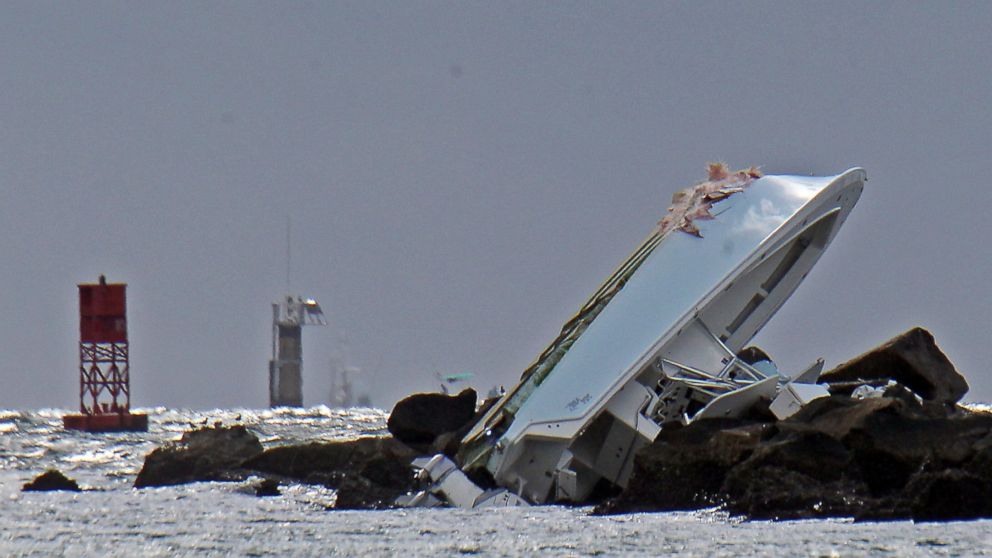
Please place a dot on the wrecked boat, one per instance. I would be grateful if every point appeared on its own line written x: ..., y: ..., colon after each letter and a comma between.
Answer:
x: 657, y: 343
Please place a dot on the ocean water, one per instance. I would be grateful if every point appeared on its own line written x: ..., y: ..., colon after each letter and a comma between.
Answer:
x: 109, y: 518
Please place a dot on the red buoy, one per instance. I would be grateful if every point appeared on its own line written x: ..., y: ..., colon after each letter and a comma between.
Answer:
x: 104, y: 364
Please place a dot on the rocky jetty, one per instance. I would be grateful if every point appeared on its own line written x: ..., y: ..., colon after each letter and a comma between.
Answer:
x: 366, y: 472
x: 207, y: 454
x: 890, y: 442
x: 902, y: 451
x: 52, y: 479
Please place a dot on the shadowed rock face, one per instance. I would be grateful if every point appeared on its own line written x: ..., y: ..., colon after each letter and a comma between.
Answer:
x: 910, y: 453
x: 911, y: 359
x: 51, y: 479
x: 366, y: 472
x: 879, y: 458
x: 267, y: 487
x: 205, y: 454
x: 419, y: 419
x: 693, y: 460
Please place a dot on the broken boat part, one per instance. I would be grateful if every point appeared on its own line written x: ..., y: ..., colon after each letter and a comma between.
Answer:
x: 656, y: 344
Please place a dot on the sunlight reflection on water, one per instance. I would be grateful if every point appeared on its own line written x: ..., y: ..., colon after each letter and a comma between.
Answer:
x: 111, y: 518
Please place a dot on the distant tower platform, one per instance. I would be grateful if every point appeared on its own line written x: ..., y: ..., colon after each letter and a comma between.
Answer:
x: 104, y: 362
x: 286, y: 367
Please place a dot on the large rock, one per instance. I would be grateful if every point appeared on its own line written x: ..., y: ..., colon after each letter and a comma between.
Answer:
x: 419, y: 419
x: 947, y: 495
x: 51, y: 479
x: 685, y: 467
x: 206, y: 454
x: 323, y: 461
x: 366, y: 472
x: 795, y: 475
x: 883, y: 458
x: 911, y: 359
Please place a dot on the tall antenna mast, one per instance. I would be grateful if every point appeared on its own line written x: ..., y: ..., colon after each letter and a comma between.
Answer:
x: 289, y: 250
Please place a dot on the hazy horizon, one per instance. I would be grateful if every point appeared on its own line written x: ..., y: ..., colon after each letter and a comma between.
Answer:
x: 460, y: 177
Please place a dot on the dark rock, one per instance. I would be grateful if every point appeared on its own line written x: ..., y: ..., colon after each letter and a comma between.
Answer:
x: 447, y: 443
x: 303, y: 461
x: 685, y: 467
x: 890, y: 449
x: 366, y: 472
x: 872, y: 459
x: 51, y: 479
x: 836, y: 416
x: 907, y: 452
x: 794, y: 476
x: 981, y: 463
x: 376, y: 486
x: 420, y: 418
x: 813, y: 454
x: 356, y: 492
x: 206, y: 454
x: 780, y: 493
x: 899, y: 391
x: 948, y: 495
x: 911, y: 359
x: 450, y: 442
x: 267, y: 487
x: 888, y: 508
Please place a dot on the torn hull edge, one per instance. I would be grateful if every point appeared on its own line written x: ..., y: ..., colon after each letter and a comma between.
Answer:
x: 661, y: 346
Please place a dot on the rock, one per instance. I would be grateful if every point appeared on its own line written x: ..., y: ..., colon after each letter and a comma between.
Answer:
x: 685, y: 468
x: 778, y: 493
x: 911, y: 359
x: 948, y: 495
x: 303, y: 461
x: 366, y: 472
x: 799, y: 475
x: 51, y: 479
x: 906, y: 452
x: 890, y: 448
x: 836, y: 416
x: 872, y: 459
x: 813, y: 454
x: 206, y: 454
x: 981, y: 463
x: 267, y: 487
x: 420, y: 418
x: 356, y: 492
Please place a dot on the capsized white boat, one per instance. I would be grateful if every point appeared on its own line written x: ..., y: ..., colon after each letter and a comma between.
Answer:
x: 657, y: 343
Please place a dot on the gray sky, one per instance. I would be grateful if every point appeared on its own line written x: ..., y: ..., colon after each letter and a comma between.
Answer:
x: 461, y: 176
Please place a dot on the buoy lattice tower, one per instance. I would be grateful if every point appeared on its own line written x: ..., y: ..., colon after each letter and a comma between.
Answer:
x: 104, y: 362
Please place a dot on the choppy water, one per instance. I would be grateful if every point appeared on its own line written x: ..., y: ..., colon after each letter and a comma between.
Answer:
x: 112, y: 519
